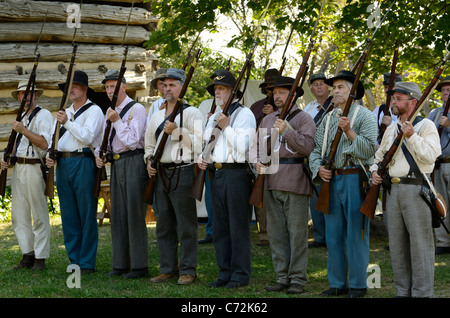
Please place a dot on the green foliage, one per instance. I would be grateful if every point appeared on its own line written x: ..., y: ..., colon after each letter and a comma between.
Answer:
x: 5, y: 205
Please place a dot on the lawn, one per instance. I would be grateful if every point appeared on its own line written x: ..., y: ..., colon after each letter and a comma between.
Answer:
x: 53, y: 281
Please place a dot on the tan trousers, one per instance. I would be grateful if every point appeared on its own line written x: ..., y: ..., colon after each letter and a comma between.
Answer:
x: 29, y: 210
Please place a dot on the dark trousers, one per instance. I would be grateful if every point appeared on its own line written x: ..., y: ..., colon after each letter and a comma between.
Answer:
x: 230, y: 190
x: 177, y: 221
x: 128, y: 211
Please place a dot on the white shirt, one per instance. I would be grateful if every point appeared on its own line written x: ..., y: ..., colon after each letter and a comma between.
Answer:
x: 234, y: 142
x: 192, y: 136
x: 41, y: 124
x: 312, y: 108
x: 205, y: 108
x: 154, y: 108
x: 85, y: 131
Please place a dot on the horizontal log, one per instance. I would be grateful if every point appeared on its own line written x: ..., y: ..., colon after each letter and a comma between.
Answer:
x: 55, y: 11
x: 86, y: 53
x: 49, y: 79
x: 59, y: 32
x: 11, y: 106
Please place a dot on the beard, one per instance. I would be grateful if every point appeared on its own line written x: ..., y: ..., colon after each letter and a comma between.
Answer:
x: 169, y: 97
x: 219, y: 101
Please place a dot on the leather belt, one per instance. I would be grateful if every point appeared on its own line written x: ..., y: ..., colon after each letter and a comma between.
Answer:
x: 346, y: 171
x: 403, y: 180
x: 170, y: 165
x: 444, y: 159
x: 31, y: 161
x: 219, y: 165
x: 291, y: 160
x: 66, y: 154
x: 125, y: 154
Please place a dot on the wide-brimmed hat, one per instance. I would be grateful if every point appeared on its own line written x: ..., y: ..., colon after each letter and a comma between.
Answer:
x: 317, y: 76
x: 176, y: 74
x: 79, y: 77
x: 22, y: 86
x: 160, y: 73
x: 269, y: 77
x: 286, y: 82
x: 445, y: 81
x: 113, y: 75
x: 408, y: 88
x: 348, y: 76
x: 225, y: 78
x: 387, y: 77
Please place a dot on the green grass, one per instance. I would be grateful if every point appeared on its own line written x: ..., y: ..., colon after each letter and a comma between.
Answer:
x: 51, y: 283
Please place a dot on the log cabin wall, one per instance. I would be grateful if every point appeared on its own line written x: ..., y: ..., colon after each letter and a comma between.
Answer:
x: 99, y: 40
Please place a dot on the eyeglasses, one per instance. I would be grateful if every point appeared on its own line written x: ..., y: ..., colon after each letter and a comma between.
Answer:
x: 399, y: 99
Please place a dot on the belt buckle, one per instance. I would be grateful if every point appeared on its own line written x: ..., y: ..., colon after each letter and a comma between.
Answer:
x: 395, y: 180
x: 218, y: 165
x: 116, y: 156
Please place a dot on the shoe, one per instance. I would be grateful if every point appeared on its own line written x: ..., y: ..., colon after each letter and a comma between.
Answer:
x: 218, y: 283
x: 295, y: 289
x: 161, y: 278
x: 137, y: 273
x: 334, y: 292
x: 26, y: 262
x: 39, y: 264
x: 118, y: 272
x: 206, y: 240
x: 442, y: 250
x: 263, y: 243
x: 233, y: 284
x: 276, y: 287
x: 185, y: 279
x: 356, y: 292
x: 316, y: 245
x: 85, y: 271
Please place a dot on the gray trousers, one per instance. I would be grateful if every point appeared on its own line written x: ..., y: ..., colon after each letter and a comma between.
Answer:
x: 177, y: 221
x: 128, y: 228
x: 411, y: 241
x: 442, y: 184
x: 287, y: 227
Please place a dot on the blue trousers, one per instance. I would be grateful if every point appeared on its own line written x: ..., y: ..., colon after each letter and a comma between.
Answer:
x: 348, y: 253
x: 75, y: 181
x: 318, y: 219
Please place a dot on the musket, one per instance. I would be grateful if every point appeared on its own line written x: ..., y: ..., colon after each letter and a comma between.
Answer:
x: 99, y: 172
x: 257, y: 195
x: 188, y: 57
x: 280, y: 72
x: 12, y: 137
x: 283, y: 58
x: 50, y: 186
x: 391, y: 86
x: 369, y: 205
x: 197, y: 187
x: 323, y: 201
x: 444, y: 113
x: 156, y: 157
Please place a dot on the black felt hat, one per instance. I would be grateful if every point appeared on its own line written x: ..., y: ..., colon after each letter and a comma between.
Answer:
x: 225, y: 78
x: 79, y: 77
x: 348, y: 76
x: 286, y: 82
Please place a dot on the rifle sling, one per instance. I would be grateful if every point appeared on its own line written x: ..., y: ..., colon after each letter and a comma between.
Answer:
x: 161, y: 126
x: 77, y: 114
x: 122, y: 113
x: 33, y: 113
x: 413, y: 168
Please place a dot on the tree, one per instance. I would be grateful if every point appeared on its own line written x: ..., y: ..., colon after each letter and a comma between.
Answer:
x: 419, y: 26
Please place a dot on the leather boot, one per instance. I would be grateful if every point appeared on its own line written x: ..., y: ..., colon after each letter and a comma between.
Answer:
x: 39, y: 264
x: 26, y: 262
